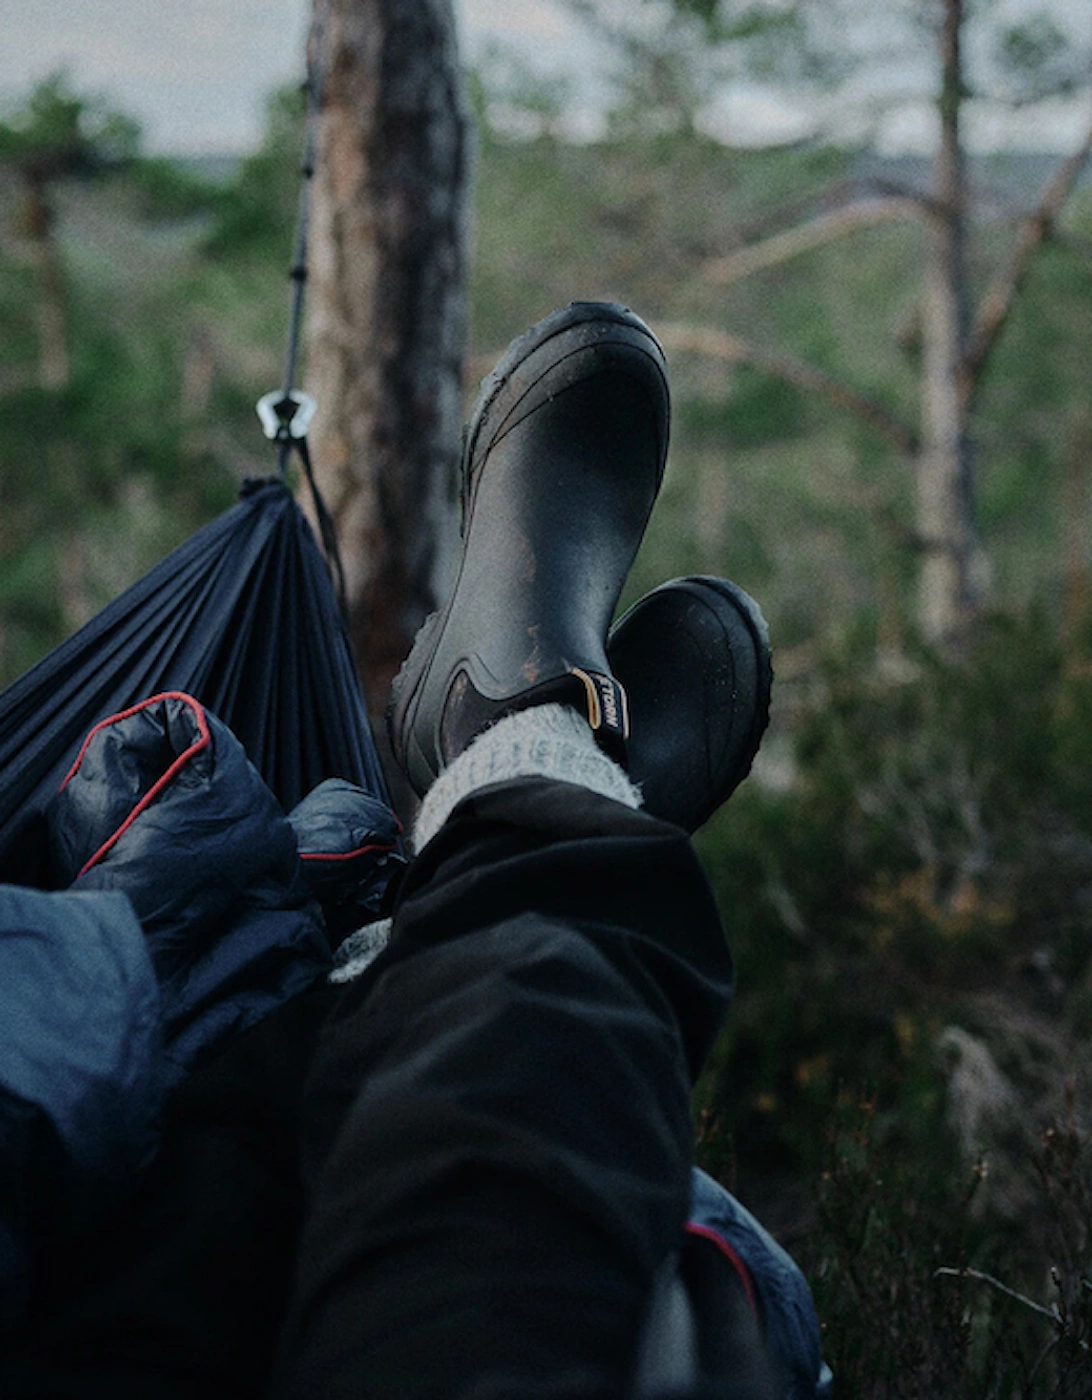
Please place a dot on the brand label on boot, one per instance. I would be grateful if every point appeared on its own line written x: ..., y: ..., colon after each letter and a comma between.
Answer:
x: 606, y: 699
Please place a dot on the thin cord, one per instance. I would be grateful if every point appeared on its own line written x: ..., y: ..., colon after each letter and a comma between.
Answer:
x: 314, y: 87
x: 326, y: 529
x: 285, y: 410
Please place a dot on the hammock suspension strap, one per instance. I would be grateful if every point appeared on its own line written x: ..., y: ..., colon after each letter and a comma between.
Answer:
x: 286, y: 413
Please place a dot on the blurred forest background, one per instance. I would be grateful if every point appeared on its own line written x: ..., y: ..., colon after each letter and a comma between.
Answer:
x: 904, y: 1091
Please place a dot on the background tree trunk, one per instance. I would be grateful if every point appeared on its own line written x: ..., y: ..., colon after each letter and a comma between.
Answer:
x: 387, y: 310
x: 1075, y: 547
x: 946, y: 516
x: 53, y: 359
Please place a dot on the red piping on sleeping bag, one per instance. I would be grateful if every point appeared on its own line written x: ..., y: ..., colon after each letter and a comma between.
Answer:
x: 202, y: 742
x: 348, y: 855
x: 705, y: 1233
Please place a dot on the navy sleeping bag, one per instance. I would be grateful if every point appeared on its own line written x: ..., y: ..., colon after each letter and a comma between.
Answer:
x: 189, y: 917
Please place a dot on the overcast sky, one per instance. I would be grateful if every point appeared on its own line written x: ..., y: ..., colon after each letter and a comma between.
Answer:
x: 196, y: 72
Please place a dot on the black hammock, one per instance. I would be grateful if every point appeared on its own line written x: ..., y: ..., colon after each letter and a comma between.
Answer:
x: 244, y: 618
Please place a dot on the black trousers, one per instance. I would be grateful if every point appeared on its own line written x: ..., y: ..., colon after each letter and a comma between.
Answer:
x: 453, y: 1177
x: 498, y: 1135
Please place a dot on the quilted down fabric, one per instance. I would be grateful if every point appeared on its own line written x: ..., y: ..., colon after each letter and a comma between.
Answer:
x: 348, y: 841
x: 81, y: 1071
x: 163, y: 806
x: 782, y: 1293
x: 189, y: 917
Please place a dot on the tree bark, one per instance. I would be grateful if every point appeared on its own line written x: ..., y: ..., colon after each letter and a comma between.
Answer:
x: 1075, y: 546
x: 387, y: 310
x: 54, y: 365
x: 945, y: 494
x: 1034, y: 230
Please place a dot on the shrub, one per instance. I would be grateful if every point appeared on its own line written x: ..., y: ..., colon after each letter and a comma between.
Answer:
x: 909, y: 918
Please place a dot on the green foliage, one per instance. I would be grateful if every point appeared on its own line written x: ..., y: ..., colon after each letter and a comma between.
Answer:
x: 1038, y: 59
x: 813, y: 50
x: 910, y: 843
x: 1032, y: 45
x: 893, y: 1327
x: 257, y: 210
x: 168, y: 191
x: 919, y: 1299
x: 670, y: 59
x: 918, y: 891
x: 510, y: 97
x: 759, y: 409
x: 59, y: 130
x: 154, y: 425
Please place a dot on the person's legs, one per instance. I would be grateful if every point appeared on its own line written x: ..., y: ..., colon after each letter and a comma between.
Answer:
x: 500, y: 1140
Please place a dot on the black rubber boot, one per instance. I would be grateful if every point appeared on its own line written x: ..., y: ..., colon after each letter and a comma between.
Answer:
x: 694, y: 658
x: 563, y: 458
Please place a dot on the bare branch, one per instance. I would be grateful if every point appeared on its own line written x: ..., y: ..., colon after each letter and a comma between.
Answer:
x: 1052, y: 1314
x: 1034, y: 231
x: 825, y: 228
x: 946, y: 1271
x: 704, y: 340
x: 832, y: 195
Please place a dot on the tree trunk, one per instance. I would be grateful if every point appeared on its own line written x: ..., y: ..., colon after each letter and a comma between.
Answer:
x: 54, y: 366
x: 387, y: 310
x: 1075, y: 547
x: 946, y: 509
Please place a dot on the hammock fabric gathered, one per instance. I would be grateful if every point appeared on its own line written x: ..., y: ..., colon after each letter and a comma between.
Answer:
x: 243, y: 617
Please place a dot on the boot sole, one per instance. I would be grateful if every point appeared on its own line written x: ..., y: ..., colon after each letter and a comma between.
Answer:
x: 696, y: 629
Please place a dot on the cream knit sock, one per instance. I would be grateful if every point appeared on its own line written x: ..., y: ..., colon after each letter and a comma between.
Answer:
x: 546, y: 741
x: 360, y: 950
